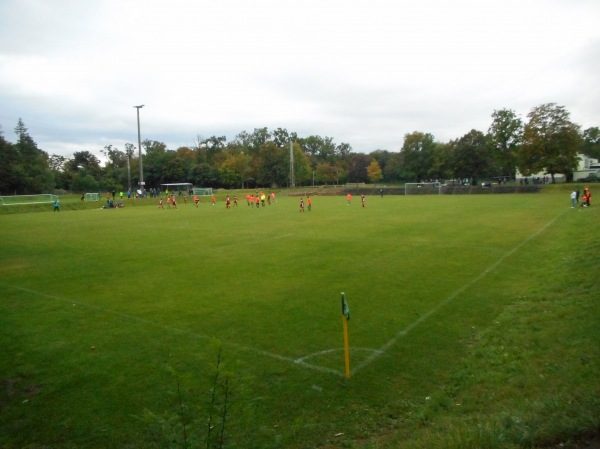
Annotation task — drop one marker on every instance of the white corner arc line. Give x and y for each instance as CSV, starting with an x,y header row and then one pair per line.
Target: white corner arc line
x,y
290,360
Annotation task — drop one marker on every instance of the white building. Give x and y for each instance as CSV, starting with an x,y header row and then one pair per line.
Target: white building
x,y
587,166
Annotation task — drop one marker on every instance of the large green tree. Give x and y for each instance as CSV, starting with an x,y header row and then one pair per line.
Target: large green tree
x,y
205,175
326,173
550,142
115,169
506,134
282,137
357,168
84,173
302,167
470,157
440,168
382,157
343,150
29,172
318,149
10,172
270,167
591,142
154,164
392,172
417,156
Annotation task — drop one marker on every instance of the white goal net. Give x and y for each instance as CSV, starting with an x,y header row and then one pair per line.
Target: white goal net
x,y
203,191
15,200
92,197
422,188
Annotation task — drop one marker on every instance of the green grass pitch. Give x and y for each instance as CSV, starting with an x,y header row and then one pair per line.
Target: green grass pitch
x,y
141,327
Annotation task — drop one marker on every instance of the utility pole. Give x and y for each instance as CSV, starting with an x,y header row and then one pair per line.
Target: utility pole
x,y
292,181
142,183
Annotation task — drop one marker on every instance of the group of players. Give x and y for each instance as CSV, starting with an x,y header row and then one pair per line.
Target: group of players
x,y
585,199
258,200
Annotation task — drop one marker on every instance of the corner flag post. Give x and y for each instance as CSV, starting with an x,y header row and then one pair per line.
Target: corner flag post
x,y
345,318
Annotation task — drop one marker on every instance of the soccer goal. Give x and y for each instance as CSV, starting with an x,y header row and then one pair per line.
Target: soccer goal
x,y
422,188
16,200
92,197
203,191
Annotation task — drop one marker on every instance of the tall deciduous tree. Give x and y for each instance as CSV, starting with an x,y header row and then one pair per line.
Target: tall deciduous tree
x,y
205,175
357,169
417,155
392,170
343,150
84,161
83,172
325,173
471,156
282,137
382,157
302,168
154,164
271,168
591,142
506,133
312,146
374,171
440,168
550,142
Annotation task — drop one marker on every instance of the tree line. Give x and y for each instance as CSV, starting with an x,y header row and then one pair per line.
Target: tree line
x,y
548,141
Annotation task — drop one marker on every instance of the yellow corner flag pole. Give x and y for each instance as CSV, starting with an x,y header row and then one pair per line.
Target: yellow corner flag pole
x,y
345,318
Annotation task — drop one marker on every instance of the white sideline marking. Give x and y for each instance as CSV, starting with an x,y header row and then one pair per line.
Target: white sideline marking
x,y
423,317
375,353
176,330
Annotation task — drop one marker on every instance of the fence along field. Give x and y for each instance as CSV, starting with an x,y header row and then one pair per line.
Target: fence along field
x,y
103,306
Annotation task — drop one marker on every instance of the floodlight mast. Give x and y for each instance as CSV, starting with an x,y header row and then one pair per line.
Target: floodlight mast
x,y
142,183
292,180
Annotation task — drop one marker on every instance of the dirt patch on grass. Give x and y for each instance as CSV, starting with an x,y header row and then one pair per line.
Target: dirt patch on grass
x,y
587,440
17,386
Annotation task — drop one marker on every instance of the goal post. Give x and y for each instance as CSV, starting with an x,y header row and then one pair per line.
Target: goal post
x,y
203,191
422,188
92,197
16,200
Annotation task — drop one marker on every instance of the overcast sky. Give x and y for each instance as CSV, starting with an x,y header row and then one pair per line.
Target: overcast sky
x,y
361,72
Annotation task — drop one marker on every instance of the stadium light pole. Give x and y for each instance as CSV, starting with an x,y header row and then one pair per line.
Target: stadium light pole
x,y
142,183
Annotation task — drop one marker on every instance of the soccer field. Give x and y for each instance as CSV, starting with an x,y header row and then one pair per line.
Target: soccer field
x,y
121,326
